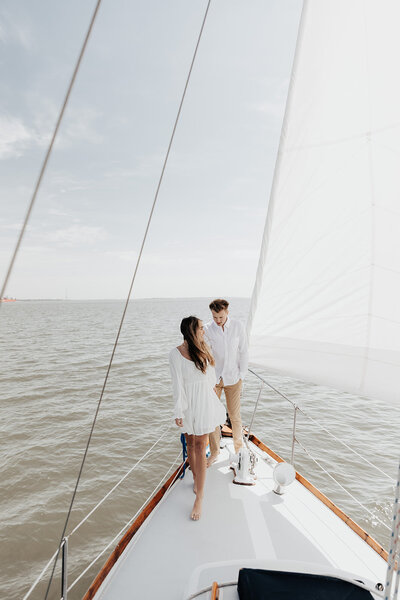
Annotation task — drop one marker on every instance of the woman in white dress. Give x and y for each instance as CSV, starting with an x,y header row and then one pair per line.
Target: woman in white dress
x,y
197,407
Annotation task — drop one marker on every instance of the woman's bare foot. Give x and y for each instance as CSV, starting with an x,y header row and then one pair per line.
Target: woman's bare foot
x,y
196,511
194,486
211,459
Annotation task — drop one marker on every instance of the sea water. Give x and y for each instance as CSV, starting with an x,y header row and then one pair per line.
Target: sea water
x,y
54,357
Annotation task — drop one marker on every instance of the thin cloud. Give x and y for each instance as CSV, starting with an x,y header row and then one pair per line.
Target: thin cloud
x,y
15,137
61,182
77,235
56,212
12,32
11,227
272,109
123,255
3,34
79,123
146,166
244,208
173,260
274,106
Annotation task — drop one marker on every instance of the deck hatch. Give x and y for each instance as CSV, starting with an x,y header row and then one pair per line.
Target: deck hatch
x,y
265,585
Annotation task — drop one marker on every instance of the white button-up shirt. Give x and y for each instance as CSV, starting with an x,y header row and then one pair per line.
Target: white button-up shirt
x,y
229,348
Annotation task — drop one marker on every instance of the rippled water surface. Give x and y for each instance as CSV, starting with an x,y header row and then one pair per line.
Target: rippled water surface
x,y
53,358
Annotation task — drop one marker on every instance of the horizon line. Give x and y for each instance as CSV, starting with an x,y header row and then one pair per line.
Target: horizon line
x,y
124,299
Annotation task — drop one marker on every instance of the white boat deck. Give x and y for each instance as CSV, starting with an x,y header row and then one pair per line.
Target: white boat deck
x,y
172,557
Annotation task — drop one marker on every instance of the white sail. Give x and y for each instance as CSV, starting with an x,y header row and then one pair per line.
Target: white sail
x,y
326,304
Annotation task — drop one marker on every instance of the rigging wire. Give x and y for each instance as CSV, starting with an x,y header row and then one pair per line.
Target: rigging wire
x,y
165,426
49,151
137,463
129,295
342,487
39,577
346,445
131,520
321,427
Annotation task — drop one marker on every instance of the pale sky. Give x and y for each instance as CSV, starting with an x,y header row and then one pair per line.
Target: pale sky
x,y
90,215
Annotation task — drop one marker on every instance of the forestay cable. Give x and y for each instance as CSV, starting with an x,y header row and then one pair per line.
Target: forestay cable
x,y
49,151
129,294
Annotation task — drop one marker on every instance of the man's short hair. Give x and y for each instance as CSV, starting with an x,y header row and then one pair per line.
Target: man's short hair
x,y
219,304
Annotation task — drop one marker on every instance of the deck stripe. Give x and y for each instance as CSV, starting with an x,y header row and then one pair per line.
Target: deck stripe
x,y
153,502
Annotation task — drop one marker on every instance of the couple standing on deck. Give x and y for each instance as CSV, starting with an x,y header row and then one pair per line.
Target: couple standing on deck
x,y
211,358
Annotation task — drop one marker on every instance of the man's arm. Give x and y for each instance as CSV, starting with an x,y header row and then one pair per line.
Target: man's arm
x,y
243,353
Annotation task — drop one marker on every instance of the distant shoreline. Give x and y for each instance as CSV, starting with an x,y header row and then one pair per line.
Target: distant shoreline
x,y
207,298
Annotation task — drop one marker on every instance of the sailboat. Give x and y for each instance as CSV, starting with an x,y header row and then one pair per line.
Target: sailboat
x,y
325,308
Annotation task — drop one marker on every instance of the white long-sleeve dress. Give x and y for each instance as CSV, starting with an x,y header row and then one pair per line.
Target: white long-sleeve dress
x,y
195,399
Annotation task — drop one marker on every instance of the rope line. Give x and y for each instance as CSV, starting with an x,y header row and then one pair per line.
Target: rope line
x,y
49,151
209,588
128,297
340,485
184,455
129,522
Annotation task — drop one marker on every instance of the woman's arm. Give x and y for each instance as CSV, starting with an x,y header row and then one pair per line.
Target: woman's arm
x,y
178,390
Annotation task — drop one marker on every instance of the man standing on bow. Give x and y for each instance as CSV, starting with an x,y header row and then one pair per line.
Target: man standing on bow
x,y
228,342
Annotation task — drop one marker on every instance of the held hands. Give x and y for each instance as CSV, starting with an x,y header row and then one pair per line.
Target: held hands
x,y
179,422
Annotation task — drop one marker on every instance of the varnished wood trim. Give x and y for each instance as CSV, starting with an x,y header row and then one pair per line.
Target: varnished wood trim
x,y
214,591
124,541
122,544
325,500
226,431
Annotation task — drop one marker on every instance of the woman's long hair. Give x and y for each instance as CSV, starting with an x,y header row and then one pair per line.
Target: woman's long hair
x,y
199,352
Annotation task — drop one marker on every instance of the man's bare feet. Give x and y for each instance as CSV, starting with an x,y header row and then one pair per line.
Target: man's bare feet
x,y
196,511
211,459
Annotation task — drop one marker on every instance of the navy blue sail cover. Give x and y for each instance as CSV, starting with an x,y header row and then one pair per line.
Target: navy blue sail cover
x,y
259,584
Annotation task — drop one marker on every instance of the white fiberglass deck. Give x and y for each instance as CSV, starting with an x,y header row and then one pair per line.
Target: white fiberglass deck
x,y
171,556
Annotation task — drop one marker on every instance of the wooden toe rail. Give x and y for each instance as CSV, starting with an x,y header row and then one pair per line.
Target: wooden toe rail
x,y
214,591
124,541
